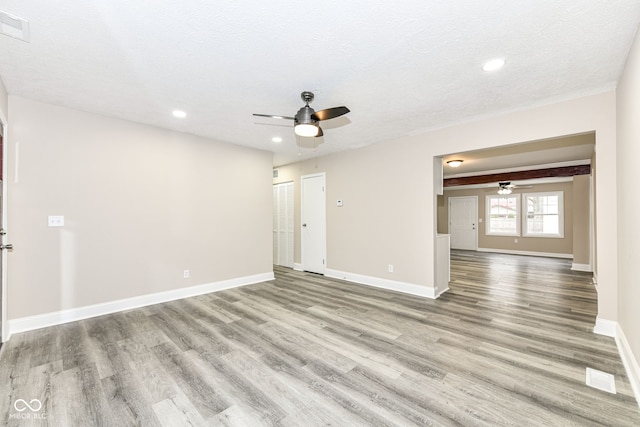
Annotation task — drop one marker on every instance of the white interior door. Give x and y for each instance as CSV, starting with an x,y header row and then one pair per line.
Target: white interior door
x,y
283,224
313,223
463,217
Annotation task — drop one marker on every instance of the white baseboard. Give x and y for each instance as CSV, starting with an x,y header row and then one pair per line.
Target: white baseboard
x,y
392,285
630,362
29,323
581,267
608,328
529,253
297,267
612,329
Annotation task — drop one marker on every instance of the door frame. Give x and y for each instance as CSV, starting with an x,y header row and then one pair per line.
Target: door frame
x,y
4,330
324,218
475,198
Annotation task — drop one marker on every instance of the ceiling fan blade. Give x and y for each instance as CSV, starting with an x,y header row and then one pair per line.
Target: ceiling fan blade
x,y
320,133
274,116
330,113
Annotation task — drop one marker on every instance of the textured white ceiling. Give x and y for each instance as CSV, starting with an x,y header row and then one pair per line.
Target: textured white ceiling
x,y
401,67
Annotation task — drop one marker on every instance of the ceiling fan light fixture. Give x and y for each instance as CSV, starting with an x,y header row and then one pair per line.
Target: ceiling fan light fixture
x,y
305,129
306,121
454,163
505,188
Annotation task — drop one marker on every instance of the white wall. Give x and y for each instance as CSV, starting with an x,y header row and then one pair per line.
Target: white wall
x,y
628,115
4,101
140,205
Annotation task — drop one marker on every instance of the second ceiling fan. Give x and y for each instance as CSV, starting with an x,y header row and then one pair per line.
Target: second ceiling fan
x,y
506,187
306,119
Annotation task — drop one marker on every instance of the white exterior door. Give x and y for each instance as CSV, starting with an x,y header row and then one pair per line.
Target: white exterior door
x,y
463,217
313,223
283,224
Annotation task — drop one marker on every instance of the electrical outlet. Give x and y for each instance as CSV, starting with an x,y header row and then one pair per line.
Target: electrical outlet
x,y
390,268
515,240
186,274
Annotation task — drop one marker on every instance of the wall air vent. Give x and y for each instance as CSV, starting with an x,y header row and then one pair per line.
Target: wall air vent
x,y
275,173
13,26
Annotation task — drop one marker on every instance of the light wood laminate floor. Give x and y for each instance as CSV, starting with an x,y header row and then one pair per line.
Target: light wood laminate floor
x,y
507,345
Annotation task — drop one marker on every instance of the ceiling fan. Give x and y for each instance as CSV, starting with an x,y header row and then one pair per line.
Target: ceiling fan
x,y
506,187
306,119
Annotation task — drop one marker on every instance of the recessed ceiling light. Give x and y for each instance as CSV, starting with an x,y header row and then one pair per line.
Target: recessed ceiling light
x,y
276,139
14,26
493,64
179,114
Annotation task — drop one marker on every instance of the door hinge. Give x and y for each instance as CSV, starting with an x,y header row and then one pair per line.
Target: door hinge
x,y
322,262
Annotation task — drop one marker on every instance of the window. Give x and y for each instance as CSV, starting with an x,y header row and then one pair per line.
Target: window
x,y
503,215
544,214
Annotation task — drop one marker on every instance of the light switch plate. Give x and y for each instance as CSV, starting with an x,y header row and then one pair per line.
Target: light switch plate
x,y
56,220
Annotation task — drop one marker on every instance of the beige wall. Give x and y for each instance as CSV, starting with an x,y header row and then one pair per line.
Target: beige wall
x,y
389,213
141,205
528,244
581,220
628,108
380,187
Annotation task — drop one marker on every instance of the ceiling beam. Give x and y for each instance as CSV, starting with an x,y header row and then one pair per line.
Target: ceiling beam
x,y
519,176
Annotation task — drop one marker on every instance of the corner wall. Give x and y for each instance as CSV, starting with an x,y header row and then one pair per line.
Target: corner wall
x,y
594,113
140,205
382,187
389,214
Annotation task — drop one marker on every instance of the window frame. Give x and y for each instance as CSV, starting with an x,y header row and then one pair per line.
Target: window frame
x,y
525,215
518,205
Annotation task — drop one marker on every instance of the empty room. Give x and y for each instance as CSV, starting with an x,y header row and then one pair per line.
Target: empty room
x,y
330,213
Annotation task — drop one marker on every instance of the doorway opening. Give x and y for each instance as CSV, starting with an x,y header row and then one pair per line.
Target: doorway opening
x,y
521,233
